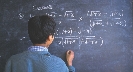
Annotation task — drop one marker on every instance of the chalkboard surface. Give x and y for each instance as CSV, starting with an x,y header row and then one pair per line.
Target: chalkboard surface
x,y
100,32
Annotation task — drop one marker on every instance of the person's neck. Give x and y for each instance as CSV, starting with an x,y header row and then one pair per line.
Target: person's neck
x,y
44,45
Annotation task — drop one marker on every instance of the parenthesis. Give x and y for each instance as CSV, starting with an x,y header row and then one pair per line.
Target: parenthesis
x,y
125,22
102,41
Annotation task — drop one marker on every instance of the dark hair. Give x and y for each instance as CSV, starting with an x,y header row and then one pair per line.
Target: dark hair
x,y
40,27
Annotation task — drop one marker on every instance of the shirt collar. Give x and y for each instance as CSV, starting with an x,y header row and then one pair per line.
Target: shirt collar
x,y
37,48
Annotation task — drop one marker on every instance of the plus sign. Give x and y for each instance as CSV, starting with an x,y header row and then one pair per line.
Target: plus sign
x,y
65,31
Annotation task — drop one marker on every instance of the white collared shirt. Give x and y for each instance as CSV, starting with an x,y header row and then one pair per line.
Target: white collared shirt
x,y
37,48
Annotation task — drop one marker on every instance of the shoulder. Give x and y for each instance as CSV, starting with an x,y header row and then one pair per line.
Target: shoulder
x,y
56,63
56,58
18,56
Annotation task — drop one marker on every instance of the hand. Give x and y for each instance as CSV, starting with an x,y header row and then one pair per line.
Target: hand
x,y
69,57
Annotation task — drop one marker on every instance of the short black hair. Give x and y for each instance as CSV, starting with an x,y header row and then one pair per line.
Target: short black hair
x,y
40,27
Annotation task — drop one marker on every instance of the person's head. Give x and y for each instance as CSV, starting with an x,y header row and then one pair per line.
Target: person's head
x,y
41,29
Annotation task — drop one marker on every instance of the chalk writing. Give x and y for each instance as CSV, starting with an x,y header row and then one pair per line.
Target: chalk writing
x,y
95,22
65,36
80,40
95,17
22,38
115,21
42,7
70,31
93,13
117,13
69,15
80,19
21,16
31,15
53,14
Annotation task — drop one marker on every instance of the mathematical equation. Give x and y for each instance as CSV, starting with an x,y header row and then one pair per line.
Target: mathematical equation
x,y
94,17
85,40
66,35
78,40
70,31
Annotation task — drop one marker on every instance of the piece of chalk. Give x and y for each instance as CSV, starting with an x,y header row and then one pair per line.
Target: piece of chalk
x,y
69,52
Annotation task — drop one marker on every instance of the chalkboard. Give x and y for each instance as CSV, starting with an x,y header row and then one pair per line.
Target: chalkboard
x,y
100,32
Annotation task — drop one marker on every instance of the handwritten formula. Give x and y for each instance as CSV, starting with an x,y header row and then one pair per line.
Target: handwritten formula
x,y
67,36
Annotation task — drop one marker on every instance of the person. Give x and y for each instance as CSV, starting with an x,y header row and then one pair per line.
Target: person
x,y
41,31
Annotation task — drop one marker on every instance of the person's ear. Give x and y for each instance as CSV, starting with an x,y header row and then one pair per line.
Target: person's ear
x,y
51,37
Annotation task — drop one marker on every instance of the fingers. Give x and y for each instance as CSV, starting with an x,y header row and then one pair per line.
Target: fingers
x,y
69,57
70,52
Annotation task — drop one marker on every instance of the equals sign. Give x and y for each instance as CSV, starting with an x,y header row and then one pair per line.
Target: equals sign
x,y
116,18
